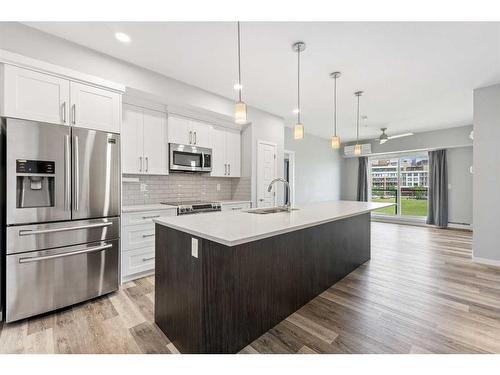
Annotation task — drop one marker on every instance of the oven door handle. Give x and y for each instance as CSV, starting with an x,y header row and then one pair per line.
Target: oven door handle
x,y
29,232
47,257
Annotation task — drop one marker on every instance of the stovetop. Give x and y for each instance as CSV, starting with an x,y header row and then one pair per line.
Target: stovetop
x,y
194,207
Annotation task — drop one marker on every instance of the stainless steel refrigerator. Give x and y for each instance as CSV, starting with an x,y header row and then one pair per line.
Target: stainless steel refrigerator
x,y
61,222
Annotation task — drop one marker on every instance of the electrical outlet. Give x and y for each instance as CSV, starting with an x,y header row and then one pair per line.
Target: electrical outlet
x,y
218,187
194,247
144,187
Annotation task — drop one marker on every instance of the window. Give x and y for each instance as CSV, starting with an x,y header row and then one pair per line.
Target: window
x,y
401,180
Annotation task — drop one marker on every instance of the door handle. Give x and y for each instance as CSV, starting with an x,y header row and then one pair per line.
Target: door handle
x,y
63,109
261,199
147,163
77,173
67,174
190,137
29,232
146,259
73,110
46,257
195,137
229,169
148,235
140,163
150,217
225,169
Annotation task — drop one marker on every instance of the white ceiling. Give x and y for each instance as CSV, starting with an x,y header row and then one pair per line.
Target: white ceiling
x,y
416,76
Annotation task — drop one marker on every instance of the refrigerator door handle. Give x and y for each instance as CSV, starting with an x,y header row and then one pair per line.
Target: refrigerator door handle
x,y
77,173
67,174
28,232
46,257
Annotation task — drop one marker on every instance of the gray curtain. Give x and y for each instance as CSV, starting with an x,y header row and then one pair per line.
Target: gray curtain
x,y
362,193
438,189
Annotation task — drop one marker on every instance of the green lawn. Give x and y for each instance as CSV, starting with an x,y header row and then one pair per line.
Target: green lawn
x,y
409,207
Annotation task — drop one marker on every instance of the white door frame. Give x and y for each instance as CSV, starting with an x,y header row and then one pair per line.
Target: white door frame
x,y
291,173
261,142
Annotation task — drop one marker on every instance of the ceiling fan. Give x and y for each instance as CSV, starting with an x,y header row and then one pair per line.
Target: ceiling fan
x,y
384,137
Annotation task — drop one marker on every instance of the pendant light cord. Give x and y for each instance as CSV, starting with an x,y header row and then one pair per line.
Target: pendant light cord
x,y
335,106
239,64
357,120
298,85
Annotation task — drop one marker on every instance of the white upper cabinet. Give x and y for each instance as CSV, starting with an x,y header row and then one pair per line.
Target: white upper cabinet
x,y
34,96
94,108
179,130
226,152
132,139
155,142
188,132
144,141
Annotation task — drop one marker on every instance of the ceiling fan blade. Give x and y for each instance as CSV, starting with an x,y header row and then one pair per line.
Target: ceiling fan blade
x,y
400,135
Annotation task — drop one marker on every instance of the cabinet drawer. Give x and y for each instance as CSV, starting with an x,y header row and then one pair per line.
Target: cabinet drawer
x,y
138,261
137,236
235,207
145,217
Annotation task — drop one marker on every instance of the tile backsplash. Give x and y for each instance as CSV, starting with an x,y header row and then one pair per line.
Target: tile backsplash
x,y
183,186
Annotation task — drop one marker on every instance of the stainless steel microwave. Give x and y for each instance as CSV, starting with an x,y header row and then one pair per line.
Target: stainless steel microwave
x,y
187,158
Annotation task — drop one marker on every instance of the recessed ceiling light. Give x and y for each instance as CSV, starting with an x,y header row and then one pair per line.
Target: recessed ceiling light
x,y
237,86
122,37
296,110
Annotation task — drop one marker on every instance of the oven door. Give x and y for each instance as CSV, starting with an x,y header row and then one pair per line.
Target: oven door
x,y
187,158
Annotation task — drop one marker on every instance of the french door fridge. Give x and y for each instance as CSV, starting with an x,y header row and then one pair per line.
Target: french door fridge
x,y
62,216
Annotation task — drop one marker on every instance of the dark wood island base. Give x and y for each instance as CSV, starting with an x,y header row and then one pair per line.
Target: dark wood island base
x,y
229,296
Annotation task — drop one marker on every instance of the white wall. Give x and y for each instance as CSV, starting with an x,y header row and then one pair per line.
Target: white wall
x,y
348,179
317,168
459,161
486,245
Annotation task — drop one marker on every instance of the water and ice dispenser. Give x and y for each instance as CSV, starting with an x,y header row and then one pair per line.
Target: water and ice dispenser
x,y
35,183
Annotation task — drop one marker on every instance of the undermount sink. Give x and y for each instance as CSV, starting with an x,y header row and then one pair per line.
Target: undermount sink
x,y
271,210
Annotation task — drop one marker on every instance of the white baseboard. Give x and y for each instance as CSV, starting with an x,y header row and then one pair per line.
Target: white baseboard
x,y
460,226
486,261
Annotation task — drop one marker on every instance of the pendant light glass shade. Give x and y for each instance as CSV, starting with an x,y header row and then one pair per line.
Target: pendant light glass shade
x,y
240,113
240,108
298,131
335,142
335,139
357,149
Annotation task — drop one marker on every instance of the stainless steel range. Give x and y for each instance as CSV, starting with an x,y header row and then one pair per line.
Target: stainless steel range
x,y
194,207
62,223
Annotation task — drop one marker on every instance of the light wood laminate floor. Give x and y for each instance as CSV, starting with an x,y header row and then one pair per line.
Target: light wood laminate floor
x,y
420,293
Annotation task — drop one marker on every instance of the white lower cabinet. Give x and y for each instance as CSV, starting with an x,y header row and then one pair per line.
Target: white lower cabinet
x,y
235,206
138,242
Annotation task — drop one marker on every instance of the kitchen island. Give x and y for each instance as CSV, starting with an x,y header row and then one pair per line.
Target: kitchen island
x,y
224,279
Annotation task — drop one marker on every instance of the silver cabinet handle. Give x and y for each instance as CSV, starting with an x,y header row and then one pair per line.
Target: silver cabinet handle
x,y
195,137
150,217
190,137
147,163
73,110
261,199
148,235
146,259
77,173
225,169
63,109
236,208
140,163
46,257
67,174
229,169
30,232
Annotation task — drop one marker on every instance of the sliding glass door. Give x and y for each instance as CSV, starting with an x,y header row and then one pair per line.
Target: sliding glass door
x,y
402,180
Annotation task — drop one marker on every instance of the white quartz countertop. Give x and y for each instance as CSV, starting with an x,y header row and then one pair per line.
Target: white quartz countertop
x,y
147,207
232,202
237,227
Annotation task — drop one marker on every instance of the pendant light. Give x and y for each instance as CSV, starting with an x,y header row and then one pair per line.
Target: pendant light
x,y
240,108
335,138
298,130
357,147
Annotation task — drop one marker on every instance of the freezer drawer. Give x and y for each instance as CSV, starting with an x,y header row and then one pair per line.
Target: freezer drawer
x,y
46,236
43,281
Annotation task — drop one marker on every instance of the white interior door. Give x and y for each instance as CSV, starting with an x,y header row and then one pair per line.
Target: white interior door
x,y
35,96
266,172
131,139
179,130
95,108
218,141
155,142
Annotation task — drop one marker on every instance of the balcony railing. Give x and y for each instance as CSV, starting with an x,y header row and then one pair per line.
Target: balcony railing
x,y
413,200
